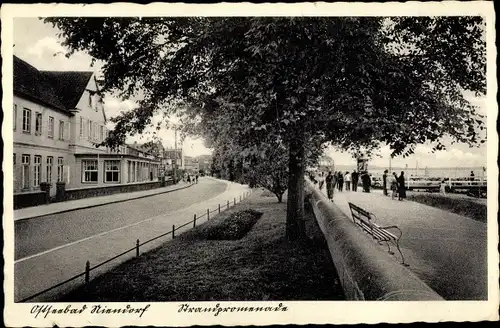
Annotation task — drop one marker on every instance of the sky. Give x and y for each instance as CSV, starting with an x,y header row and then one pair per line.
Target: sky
x,y
38,44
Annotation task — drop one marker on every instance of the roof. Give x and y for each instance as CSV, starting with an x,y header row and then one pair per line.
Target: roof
x,y
31,83
60,90
70,85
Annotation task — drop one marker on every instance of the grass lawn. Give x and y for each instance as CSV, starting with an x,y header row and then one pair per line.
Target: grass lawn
x,y
462,206
197,266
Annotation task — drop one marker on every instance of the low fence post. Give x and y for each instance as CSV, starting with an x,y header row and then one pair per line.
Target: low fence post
x,y
219,208
228,204
87,273
173,231
137,248
234,200
208,214
194,221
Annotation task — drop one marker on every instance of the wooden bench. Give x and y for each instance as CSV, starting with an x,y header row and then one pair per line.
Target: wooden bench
x,y
365,219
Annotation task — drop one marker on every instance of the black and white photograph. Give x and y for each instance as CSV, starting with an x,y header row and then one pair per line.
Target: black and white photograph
x,y
249,164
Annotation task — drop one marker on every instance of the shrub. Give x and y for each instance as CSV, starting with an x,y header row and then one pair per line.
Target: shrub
x,y
236,226
461,206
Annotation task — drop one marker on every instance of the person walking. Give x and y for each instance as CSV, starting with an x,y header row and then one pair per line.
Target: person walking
x,y
354,178
365,179
330,184
340,182
321,183
442,187
196,178
347,179
471,176
394,184
401,186
384,182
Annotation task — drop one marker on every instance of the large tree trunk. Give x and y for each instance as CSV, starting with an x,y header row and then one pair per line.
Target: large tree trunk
x,y
295,226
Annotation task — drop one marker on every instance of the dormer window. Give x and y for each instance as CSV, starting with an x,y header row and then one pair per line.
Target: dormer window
x,y
90,99
94,100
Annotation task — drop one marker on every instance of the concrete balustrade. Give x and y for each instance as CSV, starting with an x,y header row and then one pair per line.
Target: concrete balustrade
x,y
366,270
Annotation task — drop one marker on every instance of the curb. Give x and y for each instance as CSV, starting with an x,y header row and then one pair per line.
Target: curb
x,y
102,204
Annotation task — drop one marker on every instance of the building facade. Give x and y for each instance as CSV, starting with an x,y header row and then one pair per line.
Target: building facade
x,y
59,119
191,165
204,163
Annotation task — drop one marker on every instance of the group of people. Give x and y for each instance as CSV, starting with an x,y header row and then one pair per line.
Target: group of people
x,y
397,184
187,178
349,180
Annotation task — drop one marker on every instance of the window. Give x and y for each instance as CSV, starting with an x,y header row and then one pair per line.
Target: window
x,y
38,124
101,133
25,171
89,170
91,128
60,169
14,169
81,127
50,162
90,99
15,117
61,130
96,131
37,160
27,120
51,127
111,171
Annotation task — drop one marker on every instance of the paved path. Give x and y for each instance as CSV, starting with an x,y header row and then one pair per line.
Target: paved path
x,y
122,224
446,250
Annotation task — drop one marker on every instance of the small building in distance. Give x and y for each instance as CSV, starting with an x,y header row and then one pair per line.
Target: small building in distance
x,y
204,163
191,165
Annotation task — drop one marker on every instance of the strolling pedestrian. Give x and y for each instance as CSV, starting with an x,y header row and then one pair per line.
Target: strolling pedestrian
x,y
354,178
196,178
384,182
313,178
442,187
401,186
340,181
471,176
347,179
330,184
394,185
189,178
321,182
365,180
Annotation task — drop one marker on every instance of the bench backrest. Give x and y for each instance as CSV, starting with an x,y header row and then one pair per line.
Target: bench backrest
x,y
360,211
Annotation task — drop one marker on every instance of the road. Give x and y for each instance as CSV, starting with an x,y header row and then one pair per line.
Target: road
x,y
53,248
447,251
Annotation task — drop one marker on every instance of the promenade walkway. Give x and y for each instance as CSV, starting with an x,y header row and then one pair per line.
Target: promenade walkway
x,y
446,250
71,205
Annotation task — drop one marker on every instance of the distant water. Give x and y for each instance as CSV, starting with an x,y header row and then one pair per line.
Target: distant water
x,y
431,172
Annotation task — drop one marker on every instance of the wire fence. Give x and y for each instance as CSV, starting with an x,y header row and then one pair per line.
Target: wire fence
x,y
88,268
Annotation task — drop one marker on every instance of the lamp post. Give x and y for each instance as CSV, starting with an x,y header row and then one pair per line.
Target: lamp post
x,y
174,163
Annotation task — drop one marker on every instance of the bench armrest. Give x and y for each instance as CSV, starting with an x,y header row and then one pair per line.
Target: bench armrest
x,y
394,227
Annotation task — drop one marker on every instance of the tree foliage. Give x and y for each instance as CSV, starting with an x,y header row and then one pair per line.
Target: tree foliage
x,y
296,82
